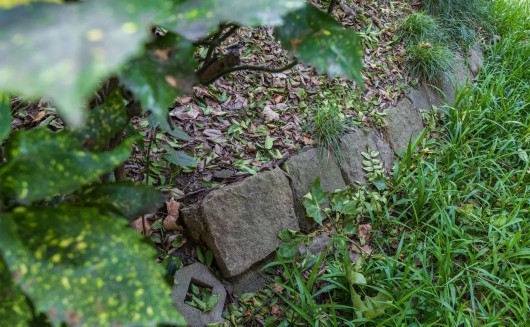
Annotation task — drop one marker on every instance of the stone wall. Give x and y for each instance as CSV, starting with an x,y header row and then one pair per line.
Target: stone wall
x,y
240,222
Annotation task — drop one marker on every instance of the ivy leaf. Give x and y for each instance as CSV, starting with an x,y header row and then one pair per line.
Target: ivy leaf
x,y
316,38
47,48
103,123
85,269
314,200
5,116
160,75
41,164
14,308
120,198
196,18
178,158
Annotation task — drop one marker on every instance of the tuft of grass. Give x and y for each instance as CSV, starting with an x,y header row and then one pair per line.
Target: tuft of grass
x,y
459,17
429,62
418,27
328,126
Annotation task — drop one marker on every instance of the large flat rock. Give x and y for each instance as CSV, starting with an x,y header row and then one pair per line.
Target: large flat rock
x,y
352,144
303,169
404,123
476,59
242,220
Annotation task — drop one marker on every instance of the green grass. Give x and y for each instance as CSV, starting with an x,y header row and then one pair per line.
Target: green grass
x,y
459,18
452,243
328,126
418,27
429,62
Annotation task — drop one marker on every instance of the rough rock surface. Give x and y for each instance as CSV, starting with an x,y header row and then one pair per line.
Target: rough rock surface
x,y
353,144
476,59
303,169
242,220
404,123
200,275
252,279
192,217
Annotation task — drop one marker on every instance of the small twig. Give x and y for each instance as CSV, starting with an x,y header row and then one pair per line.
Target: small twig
x,y
147,167
331,6
217,39
252,68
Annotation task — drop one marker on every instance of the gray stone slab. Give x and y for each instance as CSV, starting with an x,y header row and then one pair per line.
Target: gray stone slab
x,y
252,279
352,144
303,169
243,219
200,275
192,217
476,59
459,78
404,123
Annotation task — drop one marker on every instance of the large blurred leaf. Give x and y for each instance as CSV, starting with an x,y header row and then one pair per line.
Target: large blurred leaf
x,y
195,18
61,50
41,164
5,116
8,4
322,42
124,198
85,269
103,123
14,308
161,74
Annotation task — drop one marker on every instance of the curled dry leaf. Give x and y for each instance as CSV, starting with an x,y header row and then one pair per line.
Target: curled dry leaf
x,y
170,222
270,115
137,224
364,232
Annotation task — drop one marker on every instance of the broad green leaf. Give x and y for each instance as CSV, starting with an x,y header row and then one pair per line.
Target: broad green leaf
x,y
8,4
5,116
85,269
62,51
316,38
356,278
14,309
377,305
120,198
178,158
314,200
103,123
160,75
194,19
41,164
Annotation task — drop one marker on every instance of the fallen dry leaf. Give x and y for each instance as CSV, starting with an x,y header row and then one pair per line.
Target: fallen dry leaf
x,y
270,115
137,224
170,222
364,232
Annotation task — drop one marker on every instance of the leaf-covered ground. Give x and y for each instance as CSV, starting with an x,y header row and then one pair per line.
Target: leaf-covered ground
x,y
249,121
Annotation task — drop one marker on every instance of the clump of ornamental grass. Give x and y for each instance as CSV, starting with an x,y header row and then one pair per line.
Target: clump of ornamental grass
x,y
419,26
429,62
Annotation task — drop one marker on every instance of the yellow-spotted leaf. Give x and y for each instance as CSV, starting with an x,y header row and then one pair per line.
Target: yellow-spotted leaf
x,y
321,41
41,164
5,116
163,72
126,199
85,269
62,51
14,308
195,18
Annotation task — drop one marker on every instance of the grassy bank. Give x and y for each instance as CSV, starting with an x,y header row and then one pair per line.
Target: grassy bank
x,y
451,246
463,257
